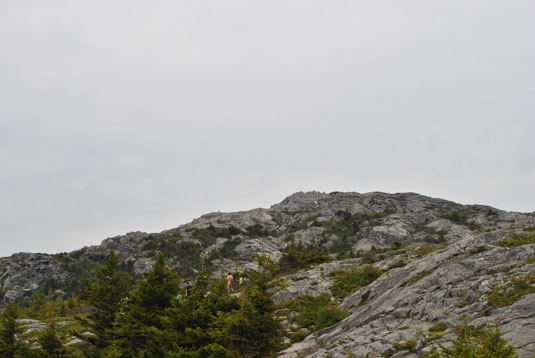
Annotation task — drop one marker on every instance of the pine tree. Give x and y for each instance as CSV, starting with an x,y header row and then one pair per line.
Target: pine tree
x,y
11,344
253,331
192,325
51,345
138,329
105,295
472,343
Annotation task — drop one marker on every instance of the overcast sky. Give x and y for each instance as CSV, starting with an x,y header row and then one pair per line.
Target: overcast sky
x,y
118,116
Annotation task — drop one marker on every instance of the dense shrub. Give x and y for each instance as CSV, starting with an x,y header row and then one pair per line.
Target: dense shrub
x,y
297,256
313,313
209,235
347,282
472,343
461,217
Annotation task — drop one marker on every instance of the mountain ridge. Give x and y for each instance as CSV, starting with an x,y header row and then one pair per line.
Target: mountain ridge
x,y
439,260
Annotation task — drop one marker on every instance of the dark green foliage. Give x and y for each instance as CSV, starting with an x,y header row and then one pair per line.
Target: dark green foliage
x,y
409,345
364,298
349,225
477,250
461,217
424,250
138,324
346,227
209,235
227,251
517,239
51,345
472,343
342,247
188,256
253,331
211,323
439,239
398,263
81,273
296,257
506,295
105,295
257,230
314,313
439,327
10,346
347,282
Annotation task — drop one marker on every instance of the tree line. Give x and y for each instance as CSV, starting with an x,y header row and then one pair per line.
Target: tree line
x,y
149,319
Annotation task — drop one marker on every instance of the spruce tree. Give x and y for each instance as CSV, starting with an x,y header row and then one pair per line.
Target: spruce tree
x,y
105,295
51,345
11,344
253,331
138,328
192,325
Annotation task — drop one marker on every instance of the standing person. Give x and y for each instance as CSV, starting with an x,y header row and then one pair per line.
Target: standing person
x,y
230,280
188,289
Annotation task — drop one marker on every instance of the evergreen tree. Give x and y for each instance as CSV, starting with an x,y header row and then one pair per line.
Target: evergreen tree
x,y
472,343
253,331
51,345
11,344
191,325
105,295
138,328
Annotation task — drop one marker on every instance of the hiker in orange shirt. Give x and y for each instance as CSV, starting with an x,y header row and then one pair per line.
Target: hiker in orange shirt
x,y
230,281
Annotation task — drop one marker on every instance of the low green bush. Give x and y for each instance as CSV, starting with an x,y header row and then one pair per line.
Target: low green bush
x,y
347,282
461,217
313,313
506,295
297,257
408,345
472,343
439,327
424,250
517,239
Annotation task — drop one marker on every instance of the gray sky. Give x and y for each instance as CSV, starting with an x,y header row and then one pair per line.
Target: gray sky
x,y
117,116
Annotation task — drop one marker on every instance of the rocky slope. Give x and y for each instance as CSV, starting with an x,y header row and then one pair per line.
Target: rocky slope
x,y
441,263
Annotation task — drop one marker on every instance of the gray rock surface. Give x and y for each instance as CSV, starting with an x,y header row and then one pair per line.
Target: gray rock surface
x,y
453,286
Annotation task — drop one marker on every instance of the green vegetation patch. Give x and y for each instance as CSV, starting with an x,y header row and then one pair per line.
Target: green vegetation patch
x,y
418,277
439,327
227,251
313,313
346,227
347,282
297,257
424,250
473,343
461,217
208,236
517,239
408,345
506,295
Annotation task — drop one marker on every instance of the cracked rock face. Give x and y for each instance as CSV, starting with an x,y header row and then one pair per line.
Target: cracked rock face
x,y
453,292
417,290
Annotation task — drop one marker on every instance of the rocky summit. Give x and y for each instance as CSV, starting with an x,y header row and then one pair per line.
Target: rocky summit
x,y
431,267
